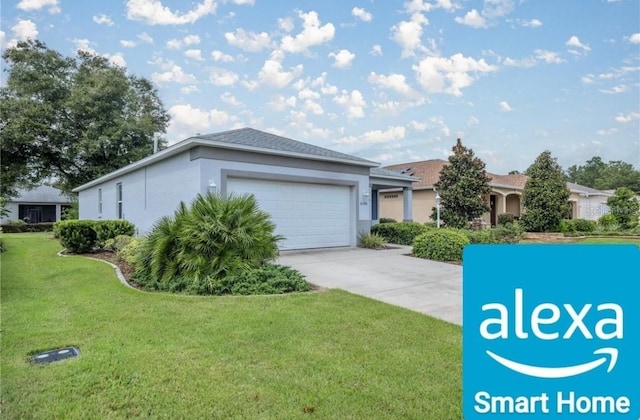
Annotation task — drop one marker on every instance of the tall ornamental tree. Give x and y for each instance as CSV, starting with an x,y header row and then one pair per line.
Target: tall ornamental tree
x,y
462,187
72,119
624,207
546,196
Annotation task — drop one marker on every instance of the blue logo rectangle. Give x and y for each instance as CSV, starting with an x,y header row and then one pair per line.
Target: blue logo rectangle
x,y
551,331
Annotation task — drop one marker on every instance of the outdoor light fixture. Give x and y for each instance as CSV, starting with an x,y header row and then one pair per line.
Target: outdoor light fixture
x,y
438,200
365,198
212,187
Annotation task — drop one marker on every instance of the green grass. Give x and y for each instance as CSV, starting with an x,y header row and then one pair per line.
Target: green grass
x,y
610,240
149,355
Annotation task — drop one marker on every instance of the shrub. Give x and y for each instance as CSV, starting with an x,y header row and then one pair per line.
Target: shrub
x,y
117,243
608,222
387,220
584,225
109,229
511,233
213,238
566,226
267,279
370,241
22,227
77,236
484,236
505,218
440,245
402,233
129,252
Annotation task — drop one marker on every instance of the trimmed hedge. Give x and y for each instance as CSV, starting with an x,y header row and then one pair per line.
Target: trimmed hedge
x,y
577,225
28,227
440,245
82,236
401,233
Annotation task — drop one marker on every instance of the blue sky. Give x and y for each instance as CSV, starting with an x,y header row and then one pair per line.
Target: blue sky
x,y
391,81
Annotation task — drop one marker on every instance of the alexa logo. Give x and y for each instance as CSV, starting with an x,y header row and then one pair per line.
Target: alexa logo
x,y
551,331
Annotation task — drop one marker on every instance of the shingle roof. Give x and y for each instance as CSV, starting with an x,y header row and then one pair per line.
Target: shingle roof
x,y
587,190
41,194
266,141
393,174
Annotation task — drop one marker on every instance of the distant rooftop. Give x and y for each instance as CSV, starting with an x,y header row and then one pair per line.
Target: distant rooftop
x,y
41,194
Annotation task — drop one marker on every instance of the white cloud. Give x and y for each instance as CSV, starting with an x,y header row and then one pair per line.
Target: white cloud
x,y
222,77
175,44
408,34
473,19
450,75
103,19
376,50
505,107
153,12
280,103
220,56
313,107
497,8
361,14
145,38
25,29
417,125
312,34
172,73
116,59
307,93
194,54
248,41
473,121
635,38
533,23
574,42
342,59
352,102
30,5
394,81
391,134
608,132
519,62
587,79
128,44
615,90
414,6
273,75
186,120
625,118
286,24
189,89
548,57
191,40
229,99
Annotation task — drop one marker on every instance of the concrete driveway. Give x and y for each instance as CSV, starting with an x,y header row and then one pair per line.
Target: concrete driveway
x,y
388,275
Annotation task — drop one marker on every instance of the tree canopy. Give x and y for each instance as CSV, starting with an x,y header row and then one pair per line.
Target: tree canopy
x,y
72,119
462,187
545,195
624,207
605,176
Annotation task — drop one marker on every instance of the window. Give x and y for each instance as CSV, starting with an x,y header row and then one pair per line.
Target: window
x,y
388,196
119,211
99,200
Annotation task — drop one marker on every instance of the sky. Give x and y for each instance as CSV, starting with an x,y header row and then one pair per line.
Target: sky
x,y
386,80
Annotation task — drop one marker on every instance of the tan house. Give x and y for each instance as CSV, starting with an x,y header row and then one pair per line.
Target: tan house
x,y
505,195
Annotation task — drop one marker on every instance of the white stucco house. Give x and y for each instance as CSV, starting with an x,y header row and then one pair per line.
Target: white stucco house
x,y
40,204
316,197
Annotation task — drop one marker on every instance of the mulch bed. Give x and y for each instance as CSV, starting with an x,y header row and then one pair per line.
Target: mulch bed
x,y
126,268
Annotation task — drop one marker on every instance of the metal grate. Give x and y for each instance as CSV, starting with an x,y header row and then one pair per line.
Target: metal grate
x,y
55,355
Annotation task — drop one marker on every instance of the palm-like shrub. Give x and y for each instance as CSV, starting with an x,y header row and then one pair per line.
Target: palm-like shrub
x,y
214,238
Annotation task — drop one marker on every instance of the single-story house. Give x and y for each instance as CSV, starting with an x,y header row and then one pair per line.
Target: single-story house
x,y
41,204
505,195
316,197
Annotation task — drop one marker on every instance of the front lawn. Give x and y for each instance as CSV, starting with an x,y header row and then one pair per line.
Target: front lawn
x,y
151,355
610,240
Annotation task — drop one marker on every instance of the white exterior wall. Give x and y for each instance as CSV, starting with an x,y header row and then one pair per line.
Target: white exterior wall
x,y
592,207
148,193
12,208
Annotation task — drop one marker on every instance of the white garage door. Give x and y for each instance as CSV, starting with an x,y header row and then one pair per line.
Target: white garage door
x,y
307,215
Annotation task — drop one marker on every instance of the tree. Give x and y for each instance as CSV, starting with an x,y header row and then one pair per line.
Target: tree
x,y
605,176
588,174
72,119
545,196
624,207
462,187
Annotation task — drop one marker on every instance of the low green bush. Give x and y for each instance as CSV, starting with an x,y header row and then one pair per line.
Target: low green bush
x,y
484,236
77,236
566,225
18,226
506,218
511,233
370,241
387,220
117,243
109,229
608,223
129,252
401,233
440,245
584,225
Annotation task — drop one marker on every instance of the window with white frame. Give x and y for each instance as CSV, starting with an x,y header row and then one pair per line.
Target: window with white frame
x,y
99,200
119,211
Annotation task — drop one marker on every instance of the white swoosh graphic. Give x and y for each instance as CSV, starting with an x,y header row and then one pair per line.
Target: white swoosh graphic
x,y
559,372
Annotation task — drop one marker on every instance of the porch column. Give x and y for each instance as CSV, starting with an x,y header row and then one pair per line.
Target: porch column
x,y
504,204
407,203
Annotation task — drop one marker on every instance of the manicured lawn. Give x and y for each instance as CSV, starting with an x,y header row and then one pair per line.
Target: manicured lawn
x,y
610,240
324,354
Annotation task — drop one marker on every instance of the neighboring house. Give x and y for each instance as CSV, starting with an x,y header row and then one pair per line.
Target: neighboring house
x,y
40,204
505,195
316,197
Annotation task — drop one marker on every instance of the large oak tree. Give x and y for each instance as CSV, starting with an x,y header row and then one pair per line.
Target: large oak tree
x,y
72,119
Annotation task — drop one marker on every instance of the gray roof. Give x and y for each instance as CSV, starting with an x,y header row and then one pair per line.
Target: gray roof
x,y
266,141
41,194
587,190
385,173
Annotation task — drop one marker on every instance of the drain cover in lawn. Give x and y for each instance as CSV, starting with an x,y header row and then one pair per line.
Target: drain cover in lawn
x,y
55,355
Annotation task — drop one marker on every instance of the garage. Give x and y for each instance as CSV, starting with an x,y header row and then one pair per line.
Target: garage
x,y
308,215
